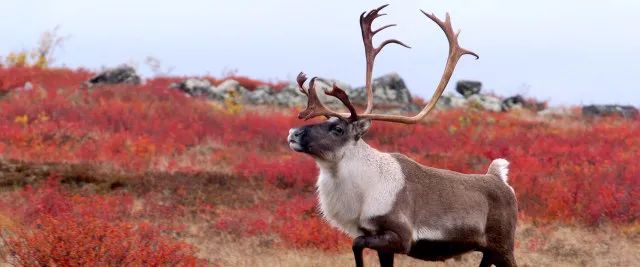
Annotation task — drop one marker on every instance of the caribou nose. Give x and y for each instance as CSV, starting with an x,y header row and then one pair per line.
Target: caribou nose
x,y
295,134
298,132
292,134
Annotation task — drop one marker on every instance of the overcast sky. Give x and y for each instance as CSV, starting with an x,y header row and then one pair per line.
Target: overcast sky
x,y
568,52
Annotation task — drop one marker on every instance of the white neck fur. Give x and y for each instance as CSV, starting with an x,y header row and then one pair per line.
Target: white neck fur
x,y
360,184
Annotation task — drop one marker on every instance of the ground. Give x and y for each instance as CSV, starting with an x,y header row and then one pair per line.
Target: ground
x,y
146,175
562,246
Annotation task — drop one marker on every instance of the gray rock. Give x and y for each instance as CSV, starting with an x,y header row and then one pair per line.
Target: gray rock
x,y
486,102
290,96
228,89
323,84
202,87
260,96
227,86
195,87
518,102
389,92
513,102
555,112
450,100
468,88
628,112
328,83
119,75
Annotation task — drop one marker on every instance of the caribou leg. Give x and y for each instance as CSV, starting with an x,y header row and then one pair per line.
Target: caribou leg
x,y
386,244
358,246
386,259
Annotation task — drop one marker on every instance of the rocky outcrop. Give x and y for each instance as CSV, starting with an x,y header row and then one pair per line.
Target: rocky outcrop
x,y
119,75
195,87
514,102
289,96
390,94
485,102
629,112
389,90
555,112
519,102
451,100
470,97
468,88
203,87
228,89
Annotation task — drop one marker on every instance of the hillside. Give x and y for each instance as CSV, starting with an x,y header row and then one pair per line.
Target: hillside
x,y
146,174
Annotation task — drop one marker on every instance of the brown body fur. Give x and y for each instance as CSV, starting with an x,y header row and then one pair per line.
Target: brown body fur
x,y
431,193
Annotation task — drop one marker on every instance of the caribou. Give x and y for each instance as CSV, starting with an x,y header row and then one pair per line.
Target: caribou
x,y
387,201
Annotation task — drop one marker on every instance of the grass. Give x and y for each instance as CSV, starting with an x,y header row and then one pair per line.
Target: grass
x,y
554,245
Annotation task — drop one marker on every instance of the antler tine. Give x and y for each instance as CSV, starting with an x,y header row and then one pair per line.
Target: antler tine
x,y
315,107
366,21
301,79
344,98
455,52
451,36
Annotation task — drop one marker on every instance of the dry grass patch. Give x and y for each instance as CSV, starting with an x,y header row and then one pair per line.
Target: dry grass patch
x,y
551,245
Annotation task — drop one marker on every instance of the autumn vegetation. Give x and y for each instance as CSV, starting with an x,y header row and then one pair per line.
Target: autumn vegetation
x,y
135,175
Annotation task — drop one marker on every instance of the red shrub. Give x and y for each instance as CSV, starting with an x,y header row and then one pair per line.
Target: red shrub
x,y
295,221
300,226
16,76
89,241
64,229
565,169
291,171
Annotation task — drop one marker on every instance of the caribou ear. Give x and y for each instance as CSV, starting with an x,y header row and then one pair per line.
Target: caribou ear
x,y
361,127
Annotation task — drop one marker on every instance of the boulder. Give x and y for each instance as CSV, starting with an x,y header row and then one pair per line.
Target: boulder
x,y
259,96
227,86
195,87
629,112
486,102
513,102
518,102
555,112
450,100
119,75
290,96
203,87
468,88
389,92
326,84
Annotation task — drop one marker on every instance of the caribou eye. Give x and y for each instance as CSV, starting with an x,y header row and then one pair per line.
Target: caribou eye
x,y
337,130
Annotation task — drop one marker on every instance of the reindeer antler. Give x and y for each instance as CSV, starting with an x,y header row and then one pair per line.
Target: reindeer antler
x,y
316,108
370,52
455,52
